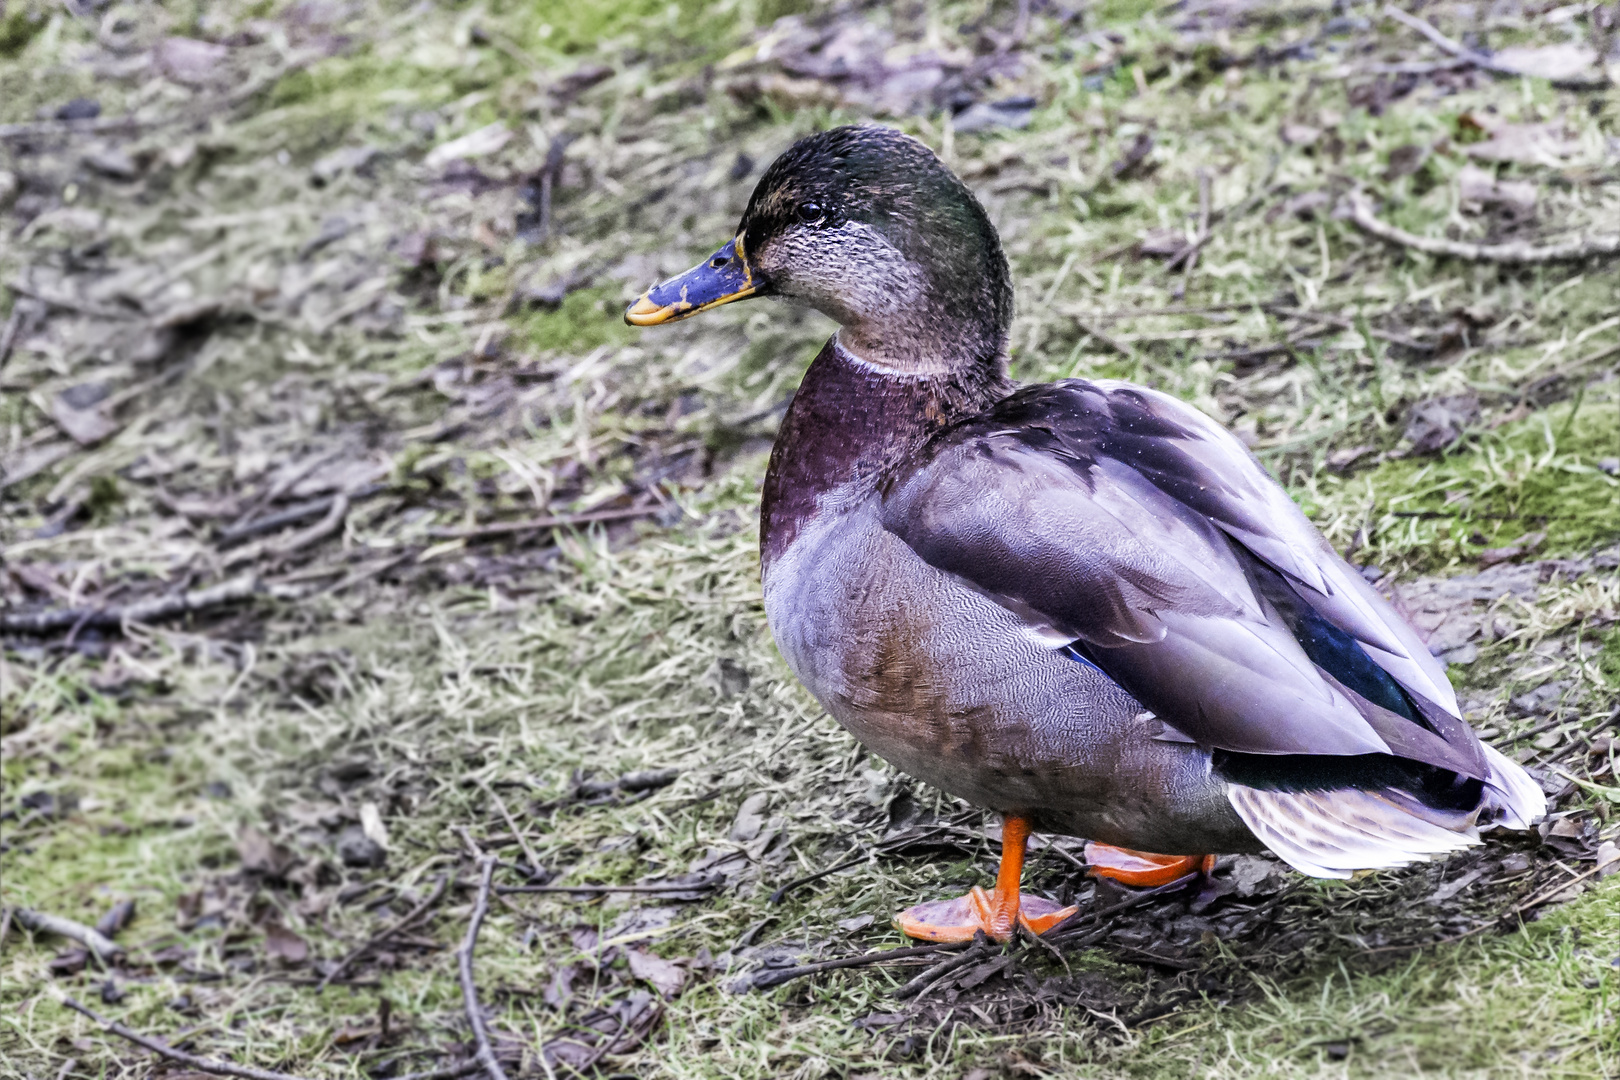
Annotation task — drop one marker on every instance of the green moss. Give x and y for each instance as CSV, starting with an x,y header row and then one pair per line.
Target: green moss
x,y
585,320
19,26
1123,11
1540,474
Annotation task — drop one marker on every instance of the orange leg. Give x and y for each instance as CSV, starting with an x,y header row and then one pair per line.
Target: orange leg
x,y
995,913
1140,868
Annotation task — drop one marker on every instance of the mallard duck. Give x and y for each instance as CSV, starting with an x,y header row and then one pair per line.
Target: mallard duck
x,y
1082,604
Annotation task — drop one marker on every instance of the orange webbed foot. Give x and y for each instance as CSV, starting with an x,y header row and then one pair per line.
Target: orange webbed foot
x,y
1142,868
997,913
959,919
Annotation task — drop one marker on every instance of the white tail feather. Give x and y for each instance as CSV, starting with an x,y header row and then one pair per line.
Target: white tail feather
x,y
1517,799
1335,833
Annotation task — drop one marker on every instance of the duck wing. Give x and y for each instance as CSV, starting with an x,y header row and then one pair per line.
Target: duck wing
x,y
1128,527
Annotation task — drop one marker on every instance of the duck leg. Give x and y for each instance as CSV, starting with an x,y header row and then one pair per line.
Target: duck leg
x,y
1141,868
996,913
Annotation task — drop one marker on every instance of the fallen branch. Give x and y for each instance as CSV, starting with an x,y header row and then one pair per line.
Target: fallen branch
x,y
163,1049
1479,59
670,887
103,946
1346,324
767,978
143,611
377,939
558,521
979,949
464,964
1086,327
337,513
1355,208
449,1072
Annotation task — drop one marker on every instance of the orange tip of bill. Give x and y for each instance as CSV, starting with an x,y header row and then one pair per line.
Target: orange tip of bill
x,y
646,313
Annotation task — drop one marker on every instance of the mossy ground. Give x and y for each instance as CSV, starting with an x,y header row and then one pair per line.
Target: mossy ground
x,y
469,677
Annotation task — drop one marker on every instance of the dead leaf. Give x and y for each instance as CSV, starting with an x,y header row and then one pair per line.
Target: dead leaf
x,y
1478,190
665,976
189,61
261,855
1303,205
750,818
1162,243
1406,160
1341,461
1608,858
284,945
1135,155
1538,144
371,823
481,143
1519,548
1437,423
1300,134
84,426
1568,60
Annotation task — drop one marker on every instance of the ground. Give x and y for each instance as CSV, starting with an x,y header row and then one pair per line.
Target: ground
x,y
349,535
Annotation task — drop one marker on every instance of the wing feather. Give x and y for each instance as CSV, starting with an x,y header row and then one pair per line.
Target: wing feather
x,y
1122,519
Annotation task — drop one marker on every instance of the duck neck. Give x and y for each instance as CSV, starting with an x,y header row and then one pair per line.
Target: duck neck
x,y
850,422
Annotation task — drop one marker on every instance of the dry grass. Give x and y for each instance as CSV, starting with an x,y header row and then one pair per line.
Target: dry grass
x,y
399,328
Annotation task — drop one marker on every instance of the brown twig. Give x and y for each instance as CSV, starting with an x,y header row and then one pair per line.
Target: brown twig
x,y
770,977
1479,59
670,887
1203,233
556,521
143,611
511,823
336,513
377,939
448,1072
104,947
1120,347
464,964
1346,324
163,1049
1354,207
979,949
9,335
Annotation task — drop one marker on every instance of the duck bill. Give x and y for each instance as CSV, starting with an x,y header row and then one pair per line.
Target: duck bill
x,y
721,278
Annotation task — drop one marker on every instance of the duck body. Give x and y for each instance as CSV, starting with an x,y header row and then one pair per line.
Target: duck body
x,y
942,682
1082,604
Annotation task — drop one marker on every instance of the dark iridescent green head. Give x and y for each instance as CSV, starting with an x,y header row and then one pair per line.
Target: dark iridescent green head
x,y
867,225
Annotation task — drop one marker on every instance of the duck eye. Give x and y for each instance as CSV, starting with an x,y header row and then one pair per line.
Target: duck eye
x,y
810,212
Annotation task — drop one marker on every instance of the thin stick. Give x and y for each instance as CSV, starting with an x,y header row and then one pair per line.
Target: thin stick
x,y
764,980
449,1072
777,896
1346,324
1088,328
377,939
1203,232
9,334
103,946
143,611
557,521
1354,207
511,823
1478,59
696,886
163,1049
464,963
337,512
980,948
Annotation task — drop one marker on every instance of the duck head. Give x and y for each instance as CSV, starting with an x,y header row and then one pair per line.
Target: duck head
x,y
866,225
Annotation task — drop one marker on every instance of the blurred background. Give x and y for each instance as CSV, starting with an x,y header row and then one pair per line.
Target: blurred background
x,y
348,533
